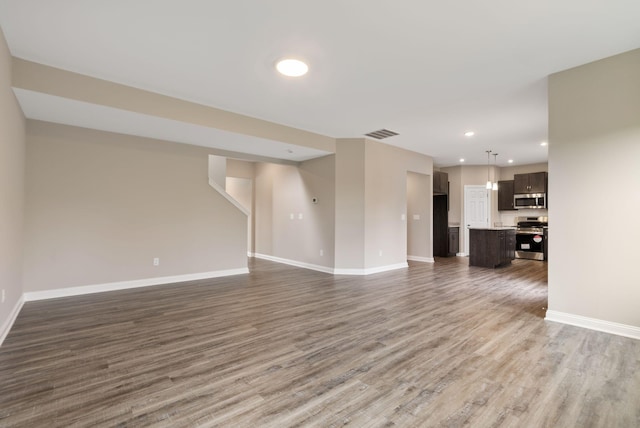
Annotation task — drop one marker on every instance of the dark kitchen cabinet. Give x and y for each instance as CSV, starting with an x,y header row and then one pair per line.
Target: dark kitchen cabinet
x,y
505,195
440,224
454,241
535,182
440,183
510,250
491,247
440,213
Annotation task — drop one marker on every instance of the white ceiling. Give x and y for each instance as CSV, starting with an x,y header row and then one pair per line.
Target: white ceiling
x,y
429,70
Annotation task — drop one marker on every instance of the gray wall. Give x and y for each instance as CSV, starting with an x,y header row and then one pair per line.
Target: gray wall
x,y
594,158
12,167
100,206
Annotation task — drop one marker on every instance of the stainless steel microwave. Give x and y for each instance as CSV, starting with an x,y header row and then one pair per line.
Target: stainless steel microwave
x,y
530,201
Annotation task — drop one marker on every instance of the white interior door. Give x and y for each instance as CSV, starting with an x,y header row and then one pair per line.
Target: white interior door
x,y
476,210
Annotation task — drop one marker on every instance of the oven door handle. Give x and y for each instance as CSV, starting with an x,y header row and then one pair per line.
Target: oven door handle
x,y
530,233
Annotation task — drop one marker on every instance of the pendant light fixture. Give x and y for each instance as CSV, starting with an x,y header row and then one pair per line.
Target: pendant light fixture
x,y
489,184
495,164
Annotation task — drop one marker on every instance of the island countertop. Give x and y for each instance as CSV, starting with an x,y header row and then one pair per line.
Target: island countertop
x,y
494,228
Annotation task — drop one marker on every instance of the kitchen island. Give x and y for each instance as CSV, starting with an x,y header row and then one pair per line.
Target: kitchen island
x,y
491,246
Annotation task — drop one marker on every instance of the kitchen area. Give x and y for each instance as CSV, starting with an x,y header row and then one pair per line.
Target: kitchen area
x,y
516,224
524,237
497,246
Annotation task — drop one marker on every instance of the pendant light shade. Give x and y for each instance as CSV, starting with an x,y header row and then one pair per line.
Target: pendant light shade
x,y
489,184
494,186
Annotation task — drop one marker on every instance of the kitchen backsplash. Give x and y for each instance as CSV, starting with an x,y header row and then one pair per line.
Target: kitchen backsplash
x,y
508,218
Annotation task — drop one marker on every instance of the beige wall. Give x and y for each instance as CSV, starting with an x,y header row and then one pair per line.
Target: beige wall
x,y
218,170
594,159
240,175
240,169
101,206
386,170
54,81
362,195
371,197
419,203
12,169
455,194
241,189
283,191
318,176
263,207
350,204
507,172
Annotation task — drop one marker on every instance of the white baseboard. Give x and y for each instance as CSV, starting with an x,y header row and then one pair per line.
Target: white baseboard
x,y
295,263
6,326
594,324
421,259
123,285
461,254
331,270
370,271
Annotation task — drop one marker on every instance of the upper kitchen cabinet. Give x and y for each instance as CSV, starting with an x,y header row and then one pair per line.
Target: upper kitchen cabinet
x,y
535,182
440,183
505,195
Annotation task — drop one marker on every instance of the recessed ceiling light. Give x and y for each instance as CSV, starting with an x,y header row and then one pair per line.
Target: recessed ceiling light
x,y
510,161
292,67
461,160
544,143
469,134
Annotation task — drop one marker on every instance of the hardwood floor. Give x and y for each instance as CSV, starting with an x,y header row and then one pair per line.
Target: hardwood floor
x,y
439,344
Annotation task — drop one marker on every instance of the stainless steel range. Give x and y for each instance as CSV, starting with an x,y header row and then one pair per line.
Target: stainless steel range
x,y
531,238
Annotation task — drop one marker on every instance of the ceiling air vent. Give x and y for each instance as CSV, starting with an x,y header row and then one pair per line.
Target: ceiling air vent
x,y
381,134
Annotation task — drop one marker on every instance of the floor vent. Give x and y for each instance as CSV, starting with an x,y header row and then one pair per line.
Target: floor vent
x,y
381,134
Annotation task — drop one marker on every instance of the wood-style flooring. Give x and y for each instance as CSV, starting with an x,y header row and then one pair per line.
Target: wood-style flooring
x,y
433,345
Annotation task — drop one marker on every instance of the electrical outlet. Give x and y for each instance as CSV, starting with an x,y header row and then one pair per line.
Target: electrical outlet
x,y
380,253
3,295
322,252
156,261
